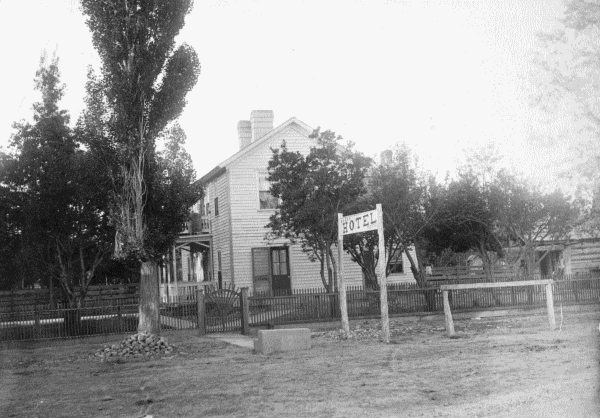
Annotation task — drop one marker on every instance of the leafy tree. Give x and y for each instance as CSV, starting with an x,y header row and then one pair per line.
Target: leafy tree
x,y
313,189
57,198
529,216
401,189
411,202
174,191
498,215
470,217
569,79
146,80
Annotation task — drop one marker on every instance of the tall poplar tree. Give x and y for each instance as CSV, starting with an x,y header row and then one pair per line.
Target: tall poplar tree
x,y
146,80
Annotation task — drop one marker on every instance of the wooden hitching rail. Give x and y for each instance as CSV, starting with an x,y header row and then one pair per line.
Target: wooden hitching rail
x,y
447,287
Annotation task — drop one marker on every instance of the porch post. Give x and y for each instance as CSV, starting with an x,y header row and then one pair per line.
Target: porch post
x,y
161,288
211,270
192,271
174,271
165,269
201,311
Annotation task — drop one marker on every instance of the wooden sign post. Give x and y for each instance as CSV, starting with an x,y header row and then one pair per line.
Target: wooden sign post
x,y
341,283
385,320
352,224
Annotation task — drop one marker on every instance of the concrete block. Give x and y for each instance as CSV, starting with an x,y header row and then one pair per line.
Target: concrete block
x,y
276,340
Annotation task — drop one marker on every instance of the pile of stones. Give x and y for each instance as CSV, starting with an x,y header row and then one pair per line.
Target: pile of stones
x,y
360,331
142,344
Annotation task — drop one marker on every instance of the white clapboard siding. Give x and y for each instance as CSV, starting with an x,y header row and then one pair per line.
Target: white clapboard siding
x,y
221,227
584,256
241,224
249,221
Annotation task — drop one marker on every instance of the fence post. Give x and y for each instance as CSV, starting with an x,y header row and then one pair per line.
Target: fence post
x,y
201,311
448,315
245,311
550,305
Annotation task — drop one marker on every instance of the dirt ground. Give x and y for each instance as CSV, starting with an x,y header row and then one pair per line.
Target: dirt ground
x,y
511,367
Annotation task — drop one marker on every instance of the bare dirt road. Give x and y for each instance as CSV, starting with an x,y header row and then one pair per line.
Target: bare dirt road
x,y
497,368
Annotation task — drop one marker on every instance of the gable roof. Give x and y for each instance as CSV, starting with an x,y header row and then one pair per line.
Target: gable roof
x,y
221,168
212,174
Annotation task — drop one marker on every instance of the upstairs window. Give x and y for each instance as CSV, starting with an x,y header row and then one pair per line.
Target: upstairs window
x,y
266,200
216,206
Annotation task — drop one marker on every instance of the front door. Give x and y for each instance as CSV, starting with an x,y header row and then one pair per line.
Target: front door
x,y
280,270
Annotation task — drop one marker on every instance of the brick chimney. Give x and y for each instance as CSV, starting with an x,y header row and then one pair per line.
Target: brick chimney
x,y
386,157
244,133
261,122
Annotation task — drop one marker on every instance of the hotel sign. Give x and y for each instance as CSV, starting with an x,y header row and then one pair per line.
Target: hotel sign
x,y
360,222
353,224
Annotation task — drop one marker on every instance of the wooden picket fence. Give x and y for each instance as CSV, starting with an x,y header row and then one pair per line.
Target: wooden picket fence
x,y
109,311
40,299
308,305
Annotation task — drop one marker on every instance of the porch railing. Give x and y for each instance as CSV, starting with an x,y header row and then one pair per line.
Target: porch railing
x,y
178,292
203,227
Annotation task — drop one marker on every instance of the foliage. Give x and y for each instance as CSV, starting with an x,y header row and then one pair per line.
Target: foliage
x,y
406,196
566,87
496,212
313,189
174,192
56,208
529,216
471,212
145,80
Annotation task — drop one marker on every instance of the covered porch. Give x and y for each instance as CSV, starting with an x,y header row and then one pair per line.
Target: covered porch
x,y
187,266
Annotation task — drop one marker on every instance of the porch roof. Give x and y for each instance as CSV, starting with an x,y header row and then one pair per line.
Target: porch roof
x,y
194,239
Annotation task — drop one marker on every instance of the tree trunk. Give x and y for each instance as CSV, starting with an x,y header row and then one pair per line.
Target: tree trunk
x,y
419,275
332,287
529,270
52,305
322,272
149,304
368,269
73,317
370,278
328,264
336,304
333,269
487,269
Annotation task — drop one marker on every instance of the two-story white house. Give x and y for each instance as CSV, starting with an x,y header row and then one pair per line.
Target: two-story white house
x,y
228,244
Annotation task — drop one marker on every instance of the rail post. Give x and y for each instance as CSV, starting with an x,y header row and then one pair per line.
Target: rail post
x,y
448,315
550,305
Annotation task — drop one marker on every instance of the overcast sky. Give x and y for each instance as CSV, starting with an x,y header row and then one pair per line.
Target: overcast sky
x,y
440,75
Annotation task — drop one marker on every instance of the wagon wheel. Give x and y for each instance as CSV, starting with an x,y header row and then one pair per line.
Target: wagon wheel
x,y
223,301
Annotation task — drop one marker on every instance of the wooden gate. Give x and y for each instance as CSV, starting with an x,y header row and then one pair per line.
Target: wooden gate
x,y
223,311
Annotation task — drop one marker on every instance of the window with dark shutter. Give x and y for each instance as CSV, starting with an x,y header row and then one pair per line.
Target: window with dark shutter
x,y
265,198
